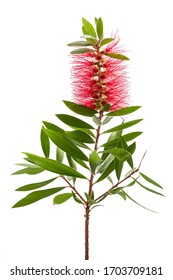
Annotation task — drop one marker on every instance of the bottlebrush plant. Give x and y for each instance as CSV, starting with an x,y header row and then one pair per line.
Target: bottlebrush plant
x,y
91,151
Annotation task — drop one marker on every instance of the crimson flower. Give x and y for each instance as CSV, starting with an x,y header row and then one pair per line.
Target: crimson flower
x,y
99,79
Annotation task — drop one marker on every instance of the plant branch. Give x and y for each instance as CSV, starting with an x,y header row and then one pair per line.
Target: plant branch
x,y
117,184
74,189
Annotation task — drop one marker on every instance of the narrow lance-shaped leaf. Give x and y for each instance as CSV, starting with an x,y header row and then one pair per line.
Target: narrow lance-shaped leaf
x,y
80,136
54,127
116,56
106,172
79,44
61,198
59,154
88,27
99,27
76,198
33,170
82,50
105,164
89,199
150,180
118,167
55,166
116,190
123,126
80,109
35,196
94,161
72,164
137,202
73,121
45,143
81,162
148,189
65,144
89,38
124,111
34,186
106,41
119,153
114,137
132,135
96,120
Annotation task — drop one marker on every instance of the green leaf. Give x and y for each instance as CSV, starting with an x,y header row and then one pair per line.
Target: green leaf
x,y
116,56
150,180
59,154
88,27
61,198
34,186
114,137
76,198
148,189
106,107
89,199
112,143
80,44
116,190
72,164
79,144
89,132
106,41
118,168
95,207
132,135
122,195
96,19
65,144
54,127
106,172
94,161
99,28
124,111
137,202
80,109
55,166
96,120
123,126
82,50
29,170
82,163
73,121
119,153
79,136
105,164
35,196
89,38
45,143
110,180
106,120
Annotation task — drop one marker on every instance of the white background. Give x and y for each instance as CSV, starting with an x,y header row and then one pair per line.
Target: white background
x,y
35,77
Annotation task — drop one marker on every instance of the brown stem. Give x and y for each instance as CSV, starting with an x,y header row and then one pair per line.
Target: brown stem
x,y
116,185
74,189
87,210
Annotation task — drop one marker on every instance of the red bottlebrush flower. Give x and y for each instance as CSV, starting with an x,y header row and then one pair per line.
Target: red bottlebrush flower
x,y
98,79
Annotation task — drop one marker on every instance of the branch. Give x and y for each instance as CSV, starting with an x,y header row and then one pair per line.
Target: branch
x,y
74,189
117,184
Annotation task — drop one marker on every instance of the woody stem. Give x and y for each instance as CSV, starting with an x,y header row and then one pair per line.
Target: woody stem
x,y
87,207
